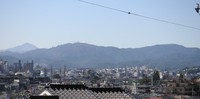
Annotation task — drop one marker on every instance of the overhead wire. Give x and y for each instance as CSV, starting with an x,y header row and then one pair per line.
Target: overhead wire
x,y
139,15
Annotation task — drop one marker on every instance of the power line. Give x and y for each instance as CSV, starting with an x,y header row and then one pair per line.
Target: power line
x,y
103,6
139,15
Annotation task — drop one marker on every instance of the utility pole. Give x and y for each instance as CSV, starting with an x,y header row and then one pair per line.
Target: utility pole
x,y
152,80
45,72
198,90
192,92
51,72
64,71
126,71
60,72
60,75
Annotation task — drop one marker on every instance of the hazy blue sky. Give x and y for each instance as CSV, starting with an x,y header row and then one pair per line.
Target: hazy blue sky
x,y
47,23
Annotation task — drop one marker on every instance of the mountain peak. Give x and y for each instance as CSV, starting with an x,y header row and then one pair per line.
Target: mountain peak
x,y
23,48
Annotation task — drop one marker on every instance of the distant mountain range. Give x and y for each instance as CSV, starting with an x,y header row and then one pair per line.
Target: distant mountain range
x,y
22,48
81,55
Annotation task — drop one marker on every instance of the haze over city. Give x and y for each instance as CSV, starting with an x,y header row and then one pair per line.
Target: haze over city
x,y
49,23
99,49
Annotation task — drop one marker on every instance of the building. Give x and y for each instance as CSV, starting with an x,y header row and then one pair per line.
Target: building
x,y
18,66
44,97
179,86
3,66
83,92
143,89
28,66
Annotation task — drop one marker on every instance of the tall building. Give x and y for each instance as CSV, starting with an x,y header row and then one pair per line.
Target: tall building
x,y
18,66
28,66
3,66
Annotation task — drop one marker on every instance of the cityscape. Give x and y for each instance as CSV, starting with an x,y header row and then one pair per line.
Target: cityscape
x,y
22,80
99,49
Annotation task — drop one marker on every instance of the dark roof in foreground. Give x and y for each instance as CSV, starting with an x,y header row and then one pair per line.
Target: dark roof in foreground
x,y
83,87
84,92
63,86
106,89
44,97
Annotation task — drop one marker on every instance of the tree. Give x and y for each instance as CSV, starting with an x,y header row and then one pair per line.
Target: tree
x,y
156,76
145,80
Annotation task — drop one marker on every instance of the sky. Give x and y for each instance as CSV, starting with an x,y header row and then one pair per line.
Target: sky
x,y
48,23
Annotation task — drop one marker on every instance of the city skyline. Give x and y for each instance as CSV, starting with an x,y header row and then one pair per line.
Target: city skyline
x,y
50,23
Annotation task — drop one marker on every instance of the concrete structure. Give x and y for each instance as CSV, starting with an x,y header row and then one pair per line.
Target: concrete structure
x,y
179,86
28,66
3,66
18,66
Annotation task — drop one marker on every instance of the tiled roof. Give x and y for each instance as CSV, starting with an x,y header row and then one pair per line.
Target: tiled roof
x,y
44,97
106,89
62,86
83,92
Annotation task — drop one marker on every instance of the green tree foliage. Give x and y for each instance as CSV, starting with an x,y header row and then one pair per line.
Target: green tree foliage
x,y
145,80
156,76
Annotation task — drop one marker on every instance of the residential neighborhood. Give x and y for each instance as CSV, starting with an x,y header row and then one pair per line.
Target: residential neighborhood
x,y
23,80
